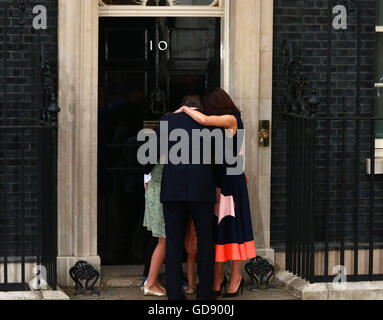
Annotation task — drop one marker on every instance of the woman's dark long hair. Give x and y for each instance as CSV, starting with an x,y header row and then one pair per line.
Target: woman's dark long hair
x,y
216,102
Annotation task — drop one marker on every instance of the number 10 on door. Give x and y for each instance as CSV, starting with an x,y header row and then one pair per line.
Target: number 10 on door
x,y
162,45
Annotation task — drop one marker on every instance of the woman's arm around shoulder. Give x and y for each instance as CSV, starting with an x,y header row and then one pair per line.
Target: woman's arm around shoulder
x,y
225,121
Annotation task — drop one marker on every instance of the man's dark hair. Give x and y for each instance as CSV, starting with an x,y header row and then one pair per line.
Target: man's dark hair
x,y
192,101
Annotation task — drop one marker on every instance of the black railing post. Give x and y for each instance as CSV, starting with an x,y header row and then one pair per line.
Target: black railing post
x,y
22,211
288,196
298,155
342,209
327,207
298,213
53,218
295,195
356,201
306,188
372,205
5,213
311,222
50,110
5,112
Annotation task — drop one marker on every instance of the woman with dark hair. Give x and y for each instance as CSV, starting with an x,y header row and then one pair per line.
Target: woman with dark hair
x,y
234,233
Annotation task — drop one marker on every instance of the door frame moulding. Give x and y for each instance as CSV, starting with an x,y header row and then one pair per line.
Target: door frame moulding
x,y
106,10
222,11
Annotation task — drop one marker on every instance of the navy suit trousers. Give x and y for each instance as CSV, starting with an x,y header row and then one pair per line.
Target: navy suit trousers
x,y
176,215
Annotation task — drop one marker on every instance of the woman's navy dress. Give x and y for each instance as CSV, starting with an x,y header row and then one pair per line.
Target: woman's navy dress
x,y
234,234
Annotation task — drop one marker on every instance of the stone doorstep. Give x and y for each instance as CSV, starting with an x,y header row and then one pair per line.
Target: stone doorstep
x,y
124,276
131,276
59,294
364,290
121,281
35,295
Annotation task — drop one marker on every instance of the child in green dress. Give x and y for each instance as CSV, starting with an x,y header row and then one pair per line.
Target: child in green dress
x,y
154,222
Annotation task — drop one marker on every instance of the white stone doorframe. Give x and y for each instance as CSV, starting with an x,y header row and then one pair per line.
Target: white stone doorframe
x,y
249,82
77,146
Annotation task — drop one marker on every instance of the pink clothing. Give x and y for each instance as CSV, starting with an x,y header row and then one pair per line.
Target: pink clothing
x,y
225,206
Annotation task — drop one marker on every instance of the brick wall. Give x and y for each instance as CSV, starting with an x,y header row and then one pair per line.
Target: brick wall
x,y
306,24
20,100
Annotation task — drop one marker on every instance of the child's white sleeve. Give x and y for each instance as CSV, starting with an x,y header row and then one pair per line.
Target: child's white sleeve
x,y
147,178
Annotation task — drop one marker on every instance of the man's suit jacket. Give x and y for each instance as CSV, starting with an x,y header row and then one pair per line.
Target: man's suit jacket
x,y
186,182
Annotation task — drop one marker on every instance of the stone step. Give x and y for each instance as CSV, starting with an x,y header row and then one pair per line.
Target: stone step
x,y
121,282
123,276
131,276
364,290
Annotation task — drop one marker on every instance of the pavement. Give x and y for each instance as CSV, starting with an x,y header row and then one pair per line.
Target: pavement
x,y
123,283
135,293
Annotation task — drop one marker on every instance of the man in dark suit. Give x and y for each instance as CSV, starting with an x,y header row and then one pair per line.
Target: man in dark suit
x,y
188,189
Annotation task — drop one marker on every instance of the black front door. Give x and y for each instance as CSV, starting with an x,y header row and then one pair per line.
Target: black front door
x,y
146,67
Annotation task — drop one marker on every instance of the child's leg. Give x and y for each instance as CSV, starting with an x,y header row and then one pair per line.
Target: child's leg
x,y
149,247
158,259
191,271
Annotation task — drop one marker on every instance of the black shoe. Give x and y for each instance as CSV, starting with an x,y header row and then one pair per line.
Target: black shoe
x,y
235,294
223,285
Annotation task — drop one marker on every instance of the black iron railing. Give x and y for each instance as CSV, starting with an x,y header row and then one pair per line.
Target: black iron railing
x,y
334,207
28,152
28,206
334,178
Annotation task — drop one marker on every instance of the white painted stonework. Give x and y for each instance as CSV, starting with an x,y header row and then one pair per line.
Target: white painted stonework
x,y
364,290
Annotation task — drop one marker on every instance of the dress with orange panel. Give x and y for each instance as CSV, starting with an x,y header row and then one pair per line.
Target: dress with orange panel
x,y
234,233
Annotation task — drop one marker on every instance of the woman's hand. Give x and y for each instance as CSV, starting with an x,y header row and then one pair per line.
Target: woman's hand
x,y
247,179
180,110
